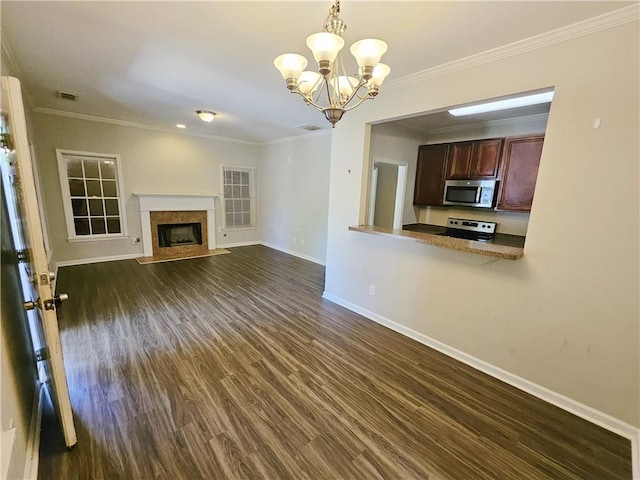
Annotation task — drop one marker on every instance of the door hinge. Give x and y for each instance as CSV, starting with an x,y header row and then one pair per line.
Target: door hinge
x,y
6,142
42,354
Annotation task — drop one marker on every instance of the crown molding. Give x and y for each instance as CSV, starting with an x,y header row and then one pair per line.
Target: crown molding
x,y
491,123
124,123
553,37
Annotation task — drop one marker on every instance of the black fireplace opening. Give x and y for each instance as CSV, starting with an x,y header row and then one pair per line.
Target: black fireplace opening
x,y
177,234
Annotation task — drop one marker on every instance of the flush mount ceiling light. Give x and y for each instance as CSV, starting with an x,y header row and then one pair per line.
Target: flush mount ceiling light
x,y
525,101
206,115
343,92
179,125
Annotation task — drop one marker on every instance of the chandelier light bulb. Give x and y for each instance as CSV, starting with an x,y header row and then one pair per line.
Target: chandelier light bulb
x,y
380,72
346,85
368,51
325,46
290,65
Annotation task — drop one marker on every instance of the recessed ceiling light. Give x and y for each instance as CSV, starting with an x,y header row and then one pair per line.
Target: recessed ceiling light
x,y
503,104
179,125
206,115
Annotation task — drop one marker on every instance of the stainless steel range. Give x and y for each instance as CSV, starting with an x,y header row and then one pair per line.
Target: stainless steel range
x,y
470,229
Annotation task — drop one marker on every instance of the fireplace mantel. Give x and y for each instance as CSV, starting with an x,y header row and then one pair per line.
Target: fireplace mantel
x,y
163,202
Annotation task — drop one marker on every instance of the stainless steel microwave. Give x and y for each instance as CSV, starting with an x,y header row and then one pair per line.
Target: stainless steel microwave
x,y
470,193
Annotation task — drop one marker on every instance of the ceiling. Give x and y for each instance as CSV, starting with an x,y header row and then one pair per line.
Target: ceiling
x,y
155,63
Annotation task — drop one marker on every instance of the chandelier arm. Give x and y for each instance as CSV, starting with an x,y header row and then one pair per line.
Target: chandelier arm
x,y
354,93
356,104
326,84
318,93
357,94
308,100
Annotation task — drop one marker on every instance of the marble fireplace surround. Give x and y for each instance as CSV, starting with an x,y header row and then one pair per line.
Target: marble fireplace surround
x,y
176,202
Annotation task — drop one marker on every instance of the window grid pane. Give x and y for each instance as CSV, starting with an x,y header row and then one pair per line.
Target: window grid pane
x,y
238,201
94,189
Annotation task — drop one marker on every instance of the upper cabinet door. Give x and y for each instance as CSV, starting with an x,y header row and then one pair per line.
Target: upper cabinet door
x,y
486,158
459,164
478,159
430,173
520,162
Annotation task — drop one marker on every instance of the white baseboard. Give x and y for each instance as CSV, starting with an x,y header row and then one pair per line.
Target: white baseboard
x,y
583,411
295,254
32,459
85,261
239,244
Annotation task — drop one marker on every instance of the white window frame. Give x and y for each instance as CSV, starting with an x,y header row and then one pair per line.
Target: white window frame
x,y
66,196
253,192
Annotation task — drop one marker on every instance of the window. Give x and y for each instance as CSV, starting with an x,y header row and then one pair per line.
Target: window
x,y
238,187
92,194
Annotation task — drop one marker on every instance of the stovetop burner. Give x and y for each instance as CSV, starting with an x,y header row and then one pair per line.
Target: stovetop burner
x,y
470,229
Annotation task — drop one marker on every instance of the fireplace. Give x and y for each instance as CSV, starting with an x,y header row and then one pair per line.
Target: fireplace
x,y
177,209
176,234
179,232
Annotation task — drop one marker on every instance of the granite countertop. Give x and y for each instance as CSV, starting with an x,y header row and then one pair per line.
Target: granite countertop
x,y
509,247
499,238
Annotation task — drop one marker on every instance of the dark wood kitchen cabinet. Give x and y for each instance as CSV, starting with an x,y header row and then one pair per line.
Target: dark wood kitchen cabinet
x,y
478,159
430,174
519,172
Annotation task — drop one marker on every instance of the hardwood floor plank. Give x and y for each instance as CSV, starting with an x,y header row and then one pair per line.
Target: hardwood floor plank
x,y
234,367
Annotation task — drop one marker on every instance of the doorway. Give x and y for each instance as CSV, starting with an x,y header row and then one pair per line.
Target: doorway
x,y
388,186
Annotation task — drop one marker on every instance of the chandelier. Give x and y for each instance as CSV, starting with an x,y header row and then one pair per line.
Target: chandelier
x,y
331,90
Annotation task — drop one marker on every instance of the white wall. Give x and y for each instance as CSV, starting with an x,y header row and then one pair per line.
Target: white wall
x,y
152,162
294,185
566,315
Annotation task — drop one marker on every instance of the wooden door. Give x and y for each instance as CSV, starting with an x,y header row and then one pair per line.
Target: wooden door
x,y
520,162
40,303
430,173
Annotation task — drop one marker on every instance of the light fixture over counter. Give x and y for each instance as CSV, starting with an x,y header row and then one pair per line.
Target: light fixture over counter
x,y
522,101
206,115
344,92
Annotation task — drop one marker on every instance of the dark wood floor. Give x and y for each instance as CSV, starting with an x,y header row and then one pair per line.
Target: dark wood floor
x,y
234,367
